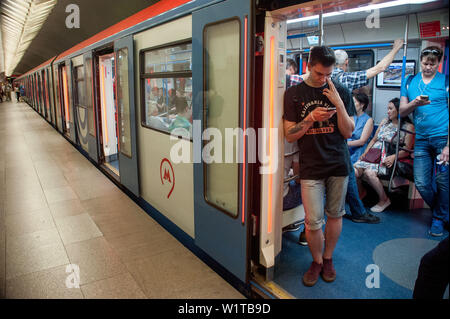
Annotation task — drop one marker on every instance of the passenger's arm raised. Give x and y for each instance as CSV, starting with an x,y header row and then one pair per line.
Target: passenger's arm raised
x,y
386,61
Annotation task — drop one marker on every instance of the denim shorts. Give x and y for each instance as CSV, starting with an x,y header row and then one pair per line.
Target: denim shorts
x,y
313,195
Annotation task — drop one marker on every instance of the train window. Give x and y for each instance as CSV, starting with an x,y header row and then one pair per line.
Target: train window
x,y
89,97
169,59
360,60
50,90
221,103
57,100
123,102
79,83
166,84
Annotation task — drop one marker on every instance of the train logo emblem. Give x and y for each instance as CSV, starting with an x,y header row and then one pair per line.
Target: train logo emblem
x,y
167,175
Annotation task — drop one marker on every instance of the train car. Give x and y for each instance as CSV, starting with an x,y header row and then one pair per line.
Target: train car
x,y
181,105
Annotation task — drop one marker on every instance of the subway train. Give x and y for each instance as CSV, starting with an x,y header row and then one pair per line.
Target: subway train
x,y
216,182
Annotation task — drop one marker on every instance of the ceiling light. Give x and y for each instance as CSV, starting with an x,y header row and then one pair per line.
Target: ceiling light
x,y
365,8
387,5
326,15
21,21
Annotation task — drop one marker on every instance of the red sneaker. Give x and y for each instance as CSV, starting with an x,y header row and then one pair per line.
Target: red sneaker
x,y
312,275
328,272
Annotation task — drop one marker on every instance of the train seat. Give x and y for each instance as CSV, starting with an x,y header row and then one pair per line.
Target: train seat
x,y
414,199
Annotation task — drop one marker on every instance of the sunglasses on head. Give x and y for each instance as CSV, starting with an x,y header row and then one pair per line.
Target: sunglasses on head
x,y
431,51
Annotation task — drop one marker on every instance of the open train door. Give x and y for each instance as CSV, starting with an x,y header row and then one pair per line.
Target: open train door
x,y
220,47
126,114
79,101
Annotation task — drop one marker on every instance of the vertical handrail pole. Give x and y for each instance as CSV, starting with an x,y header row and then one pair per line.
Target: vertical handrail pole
x,y
320,28
405,48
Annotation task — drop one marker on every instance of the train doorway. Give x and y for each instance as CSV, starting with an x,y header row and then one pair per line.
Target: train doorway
x,y
109,150
392,248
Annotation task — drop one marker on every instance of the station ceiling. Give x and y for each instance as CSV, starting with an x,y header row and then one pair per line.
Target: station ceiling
x,y
55,37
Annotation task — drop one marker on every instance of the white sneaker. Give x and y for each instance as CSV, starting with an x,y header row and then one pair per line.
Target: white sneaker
x,y
379,208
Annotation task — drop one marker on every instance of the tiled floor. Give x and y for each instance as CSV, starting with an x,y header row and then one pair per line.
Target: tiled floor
x,y
58,212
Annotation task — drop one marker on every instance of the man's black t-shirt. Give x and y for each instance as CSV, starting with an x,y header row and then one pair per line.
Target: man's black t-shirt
x,y
323,150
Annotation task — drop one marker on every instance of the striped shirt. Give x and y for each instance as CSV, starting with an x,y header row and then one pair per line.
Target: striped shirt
x,y
351,80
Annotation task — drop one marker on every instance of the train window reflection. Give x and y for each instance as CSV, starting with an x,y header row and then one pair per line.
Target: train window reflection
x,y
169,59
123,102
89,97
79,83
222,47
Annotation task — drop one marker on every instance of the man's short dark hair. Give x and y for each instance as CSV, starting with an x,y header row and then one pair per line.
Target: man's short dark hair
x,y
323,55
432,53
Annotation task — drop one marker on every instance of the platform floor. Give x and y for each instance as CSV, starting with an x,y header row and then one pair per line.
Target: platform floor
x,y
57,210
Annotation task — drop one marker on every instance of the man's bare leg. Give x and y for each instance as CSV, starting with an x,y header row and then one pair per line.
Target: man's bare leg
x,y
315,244
333,230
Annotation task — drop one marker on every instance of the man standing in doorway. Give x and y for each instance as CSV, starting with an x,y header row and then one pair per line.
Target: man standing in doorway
x,y
317,115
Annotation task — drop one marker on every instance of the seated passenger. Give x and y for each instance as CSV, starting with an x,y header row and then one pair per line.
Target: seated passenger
x,y
363,128
160,104
379,156
354,207
181,124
